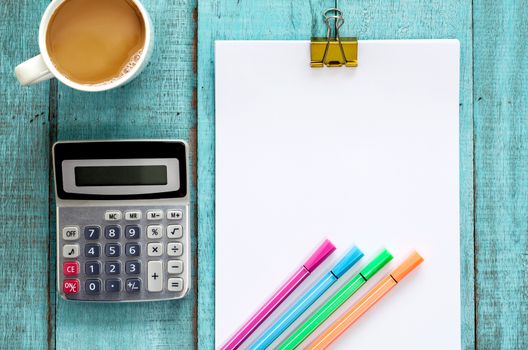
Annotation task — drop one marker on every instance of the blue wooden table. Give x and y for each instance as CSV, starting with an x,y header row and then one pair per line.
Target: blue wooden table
x,y
174,98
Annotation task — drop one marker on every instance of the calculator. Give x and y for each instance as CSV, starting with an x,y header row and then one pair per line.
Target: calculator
x,y
122,220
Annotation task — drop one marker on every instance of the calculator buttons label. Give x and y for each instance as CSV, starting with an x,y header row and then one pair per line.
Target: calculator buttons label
x,y
154,249
154,214
113,268
93,286
70,268
70,286
92,250
154,231
112,232
174,231
175,285
174,214
113,285
92,268
174,249
113,250
113,215
133,267
132,231
70,250
174,267
155,276
132,249
133,285
92,232
132,215
70,233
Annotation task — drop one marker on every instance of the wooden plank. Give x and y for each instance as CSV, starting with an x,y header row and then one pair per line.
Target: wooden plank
x,y
368,19
501,158
158,104
221,20
376,19
24,174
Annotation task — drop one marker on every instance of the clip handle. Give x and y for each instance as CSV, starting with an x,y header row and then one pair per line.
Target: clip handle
x,y
336,52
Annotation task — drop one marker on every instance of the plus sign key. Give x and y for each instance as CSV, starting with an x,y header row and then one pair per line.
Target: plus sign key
x,y
155,276
70,286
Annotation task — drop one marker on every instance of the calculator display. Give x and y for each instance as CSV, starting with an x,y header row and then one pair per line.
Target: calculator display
x,y
117,170
149,175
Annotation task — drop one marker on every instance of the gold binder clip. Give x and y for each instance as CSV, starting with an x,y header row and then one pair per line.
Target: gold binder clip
x,y
336,51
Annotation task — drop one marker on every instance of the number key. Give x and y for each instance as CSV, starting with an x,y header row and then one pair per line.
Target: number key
x,y
92,232
92,250
132,231
113,268
113,250
92,268
112,232
132,267
93,286
132,249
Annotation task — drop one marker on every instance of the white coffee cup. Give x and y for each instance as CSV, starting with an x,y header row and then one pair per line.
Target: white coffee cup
x,y
40,68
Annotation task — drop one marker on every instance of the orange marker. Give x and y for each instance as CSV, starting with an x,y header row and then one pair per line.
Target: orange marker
x,y
369,300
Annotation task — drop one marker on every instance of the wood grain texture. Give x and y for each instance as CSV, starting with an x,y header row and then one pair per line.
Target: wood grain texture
x,y
501,154
161,104
24,238
368,19
220,20
158,104
378,19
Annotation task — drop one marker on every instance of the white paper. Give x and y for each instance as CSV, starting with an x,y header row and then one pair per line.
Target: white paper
x,y
365,156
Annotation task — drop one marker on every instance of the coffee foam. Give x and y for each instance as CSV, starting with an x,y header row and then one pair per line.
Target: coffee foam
x,y
126,69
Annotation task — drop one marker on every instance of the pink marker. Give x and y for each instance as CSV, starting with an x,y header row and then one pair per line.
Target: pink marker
x,y
324,250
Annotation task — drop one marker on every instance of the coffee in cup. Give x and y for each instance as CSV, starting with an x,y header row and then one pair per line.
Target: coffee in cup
x,y
91,45
95,41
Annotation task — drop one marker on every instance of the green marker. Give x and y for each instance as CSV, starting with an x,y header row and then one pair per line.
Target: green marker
x,y
310,325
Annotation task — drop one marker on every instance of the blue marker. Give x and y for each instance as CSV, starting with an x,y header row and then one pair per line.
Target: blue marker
x,y
308,299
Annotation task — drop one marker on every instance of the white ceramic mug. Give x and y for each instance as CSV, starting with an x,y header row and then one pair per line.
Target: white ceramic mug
x,y
40,68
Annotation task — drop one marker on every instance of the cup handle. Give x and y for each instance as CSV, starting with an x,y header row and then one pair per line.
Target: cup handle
x,y
33,71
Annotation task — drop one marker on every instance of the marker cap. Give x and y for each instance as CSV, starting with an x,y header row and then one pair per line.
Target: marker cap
x,y
407,266
324,250
347,261
376,264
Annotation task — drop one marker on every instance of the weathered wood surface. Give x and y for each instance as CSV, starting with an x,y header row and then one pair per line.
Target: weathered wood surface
x,y
229,20
297,20
24,142
158,104
162,102
501,186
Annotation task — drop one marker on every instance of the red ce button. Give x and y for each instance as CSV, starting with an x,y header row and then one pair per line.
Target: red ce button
x,y
70,268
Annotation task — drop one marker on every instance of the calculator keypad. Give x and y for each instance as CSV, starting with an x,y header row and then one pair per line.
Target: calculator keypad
x,y
123,254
